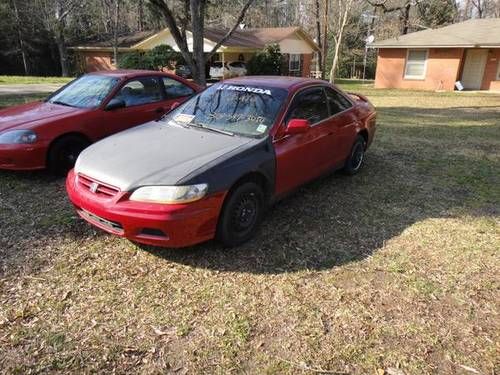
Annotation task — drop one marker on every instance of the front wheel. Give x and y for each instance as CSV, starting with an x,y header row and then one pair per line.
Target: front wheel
x,y
64,152
356,157
241,214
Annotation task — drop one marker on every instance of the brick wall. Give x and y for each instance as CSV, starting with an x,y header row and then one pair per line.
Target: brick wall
x,y
490,79
96,61
306,64
443,67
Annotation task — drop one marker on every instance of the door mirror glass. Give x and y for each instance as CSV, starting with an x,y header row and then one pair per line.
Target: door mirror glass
x,y
297,126
115,104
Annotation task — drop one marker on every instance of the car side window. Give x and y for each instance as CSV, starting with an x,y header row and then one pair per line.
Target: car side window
x,y
336,101
309,105
140,91
175,89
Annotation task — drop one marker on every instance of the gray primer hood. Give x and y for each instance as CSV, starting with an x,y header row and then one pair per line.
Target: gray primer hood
x,y
154,154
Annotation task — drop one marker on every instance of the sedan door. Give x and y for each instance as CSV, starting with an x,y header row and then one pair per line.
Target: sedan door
x,y
142,101
301,157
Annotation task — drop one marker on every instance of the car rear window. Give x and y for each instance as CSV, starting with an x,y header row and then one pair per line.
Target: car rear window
x,y
241,109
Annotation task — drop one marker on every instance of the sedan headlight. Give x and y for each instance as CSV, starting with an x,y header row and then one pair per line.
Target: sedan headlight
x,y
18,137
169,194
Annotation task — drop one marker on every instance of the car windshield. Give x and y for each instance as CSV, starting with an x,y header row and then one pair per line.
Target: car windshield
x,y
86,92
232,108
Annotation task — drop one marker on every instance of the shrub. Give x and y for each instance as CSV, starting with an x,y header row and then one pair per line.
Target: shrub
x,y
162,56
267,62
132,60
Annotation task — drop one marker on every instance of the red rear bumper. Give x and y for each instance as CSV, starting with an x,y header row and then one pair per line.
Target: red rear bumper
x,y
149,223
22,157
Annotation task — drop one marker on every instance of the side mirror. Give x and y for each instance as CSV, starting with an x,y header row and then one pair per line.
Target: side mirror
x,y
115,104
297,126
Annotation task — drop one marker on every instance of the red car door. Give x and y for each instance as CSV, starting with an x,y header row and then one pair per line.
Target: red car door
x,y
146,99
302,157
343,122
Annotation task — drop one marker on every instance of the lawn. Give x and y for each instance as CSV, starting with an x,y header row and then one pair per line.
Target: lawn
x,y
9,80
10,100
393,270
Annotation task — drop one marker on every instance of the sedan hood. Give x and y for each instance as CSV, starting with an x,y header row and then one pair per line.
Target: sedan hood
x,y
24,115
154,154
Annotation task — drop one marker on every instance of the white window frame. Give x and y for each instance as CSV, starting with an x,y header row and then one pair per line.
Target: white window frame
x,y
290,63
420,77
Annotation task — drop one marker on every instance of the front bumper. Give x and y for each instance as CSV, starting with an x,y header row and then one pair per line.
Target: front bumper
x,y
23,157
163,225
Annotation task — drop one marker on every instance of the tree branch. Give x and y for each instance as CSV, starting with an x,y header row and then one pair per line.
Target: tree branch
x,y
178,35
241,16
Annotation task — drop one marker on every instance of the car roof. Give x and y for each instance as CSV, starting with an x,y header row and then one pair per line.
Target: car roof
x,y
122,73
288,83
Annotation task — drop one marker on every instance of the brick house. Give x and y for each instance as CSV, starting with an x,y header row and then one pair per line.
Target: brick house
x,y
295,44
435,59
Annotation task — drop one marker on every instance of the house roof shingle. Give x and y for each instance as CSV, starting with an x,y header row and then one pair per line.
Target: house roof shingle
x,y
472,33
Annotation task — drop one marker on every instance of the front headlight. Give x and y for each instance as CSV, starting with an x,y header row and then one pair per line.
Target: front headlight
x,y
169,194
18,137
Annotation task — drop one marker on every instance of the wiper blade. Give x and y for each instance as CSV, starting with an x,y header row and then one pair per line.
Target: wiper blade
x,y
212,129
61,103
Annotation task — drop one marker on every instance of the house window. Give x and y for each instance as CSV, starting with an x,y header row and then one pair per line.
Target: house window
x,y
294,63
416,63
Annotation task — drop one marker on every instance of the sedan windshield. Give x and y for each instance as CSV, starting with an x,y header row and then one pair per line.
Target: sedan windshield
x,y
86,92
232,108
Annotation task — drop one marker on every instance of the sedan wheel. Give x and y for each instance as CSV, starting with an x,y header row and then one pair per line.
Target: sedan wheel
x,y
357,156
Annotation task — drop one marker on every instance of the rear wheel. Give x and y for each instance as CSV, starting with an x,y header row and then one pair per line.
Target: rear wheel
x,y
64,152
241,214
356,157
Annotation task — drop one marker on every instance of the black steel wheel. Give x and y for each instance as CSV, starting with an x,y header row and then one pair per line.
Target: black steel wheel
x,y
241,214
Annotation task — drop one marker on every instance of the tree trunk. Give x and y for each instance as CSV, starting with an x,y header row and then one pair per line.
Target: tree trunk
x,y
338,37
115,32
63,52
22,46
318,36
198,31
406,18
140,15
325,40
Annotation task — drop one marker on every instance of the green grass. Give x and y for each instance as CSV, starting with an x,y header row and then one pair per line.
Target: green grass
x,y
11,100
9,80
396,267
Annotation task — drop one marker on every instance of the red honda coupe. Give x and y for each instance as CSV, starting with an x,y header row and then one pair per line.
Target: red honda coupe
x,y
212,165
52,133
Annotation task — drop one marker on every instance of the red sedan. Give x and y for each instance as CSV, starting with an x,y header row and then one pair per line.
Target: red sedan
x,y
51,134
211,166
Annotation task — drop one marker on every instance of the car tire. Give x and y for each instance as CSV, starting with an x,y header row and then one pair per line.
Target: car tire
x,y
64,152
356,157
241,214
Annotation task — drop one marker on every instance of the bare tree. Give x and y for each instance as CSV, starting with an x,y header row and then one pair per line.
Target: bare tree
x,y
403,8
479,6
56,13
193,16
342,14
20,38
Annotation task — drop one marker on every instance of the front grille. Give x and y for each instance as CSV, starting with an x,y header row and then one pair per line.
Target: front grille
x,y
97,187
112,225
